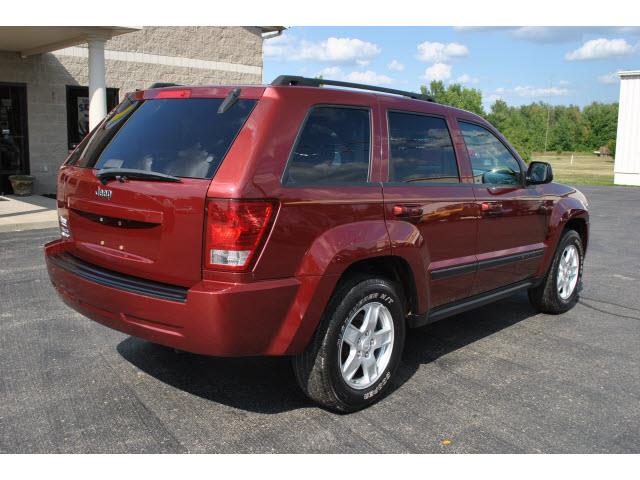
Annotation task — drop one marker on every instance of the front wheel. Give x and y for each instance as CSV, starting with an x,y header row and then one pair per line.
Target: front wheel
x,y
559,291
356,348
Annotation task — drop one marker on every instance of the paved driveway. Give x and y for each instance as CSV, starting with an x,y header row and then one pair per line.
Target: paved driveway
x,y
499,379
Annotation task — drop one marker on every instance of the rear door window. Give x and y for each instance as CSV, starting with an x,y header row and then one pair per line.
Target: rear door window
x,y
333,147
179,137
420,149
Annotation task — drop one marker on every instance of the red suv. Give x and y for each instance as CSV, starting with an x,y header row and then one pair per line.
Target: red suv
x,y
317,223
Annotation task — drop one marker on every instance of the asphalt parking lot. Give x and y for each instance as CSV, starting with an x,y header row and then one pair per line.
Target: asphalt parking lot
x,y
501,379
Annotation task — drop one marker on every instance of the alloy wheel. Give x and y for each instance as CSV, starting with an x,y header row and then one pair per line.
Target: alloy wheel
x,y
568,269
366,345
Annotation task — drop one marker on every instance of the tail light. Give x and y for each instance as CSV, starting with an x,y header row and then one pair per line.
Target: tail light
x,y
234,231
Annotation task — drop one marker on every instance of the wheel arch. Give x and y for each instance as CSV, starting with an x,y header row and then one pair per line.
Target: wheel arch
x,y
580,225
391,267
303,323
564,217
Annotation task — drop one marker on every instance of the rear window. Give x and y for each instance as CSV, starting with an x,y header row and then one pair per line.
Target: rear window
x,y
333,148
179,137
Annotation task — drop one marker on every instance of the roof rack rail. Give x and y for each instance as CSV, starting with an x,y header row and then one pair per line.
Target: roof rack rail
x,y
164,84
318,82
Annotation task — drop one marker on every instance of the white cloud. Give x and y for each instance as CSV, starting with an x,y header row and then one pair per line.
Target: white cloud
x,y
489,99
564,83
438,71
466,79
395,66
462,28
439,52
547,35
528,91
608,78
566,34
337,50
601,48
368,77
333,73
278,47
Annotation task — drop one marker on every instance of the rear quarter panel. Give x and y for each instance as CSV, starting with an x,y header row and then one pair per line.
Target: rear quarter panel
x,y
318,229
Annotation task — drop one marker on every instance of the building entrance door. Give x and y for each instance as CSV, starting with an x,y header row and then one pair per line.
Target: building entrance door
x,y
14,152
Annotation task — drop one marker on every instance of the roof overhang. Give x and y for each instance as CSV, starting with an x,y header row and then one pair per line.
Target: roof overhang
x,y
270,32
272,29
29,41
629,73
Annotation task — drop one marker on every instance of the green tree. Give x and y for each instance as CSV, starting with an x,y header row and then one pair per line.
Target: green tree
x,y
537,126
601,121
512,123
456,95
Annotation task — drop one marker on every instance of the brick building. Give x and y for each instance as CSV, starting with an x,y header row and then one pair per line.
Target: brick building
x,y
57,82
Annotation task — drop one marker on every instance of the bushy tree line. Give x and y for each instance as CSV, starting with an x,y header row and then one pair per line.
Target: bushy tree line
x,y
539,126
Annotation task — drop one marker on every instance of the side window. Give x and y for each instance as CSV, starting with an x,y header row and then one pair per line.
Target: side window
x,y
332,148
491,162
420,149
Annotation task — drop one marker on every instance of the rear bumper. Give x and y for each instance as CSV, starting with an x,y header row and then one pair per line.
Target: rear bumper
x,y
214,318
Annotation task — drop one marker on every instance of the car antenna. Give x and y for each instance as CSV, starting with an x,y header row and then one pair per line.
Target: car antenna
x,y
229,100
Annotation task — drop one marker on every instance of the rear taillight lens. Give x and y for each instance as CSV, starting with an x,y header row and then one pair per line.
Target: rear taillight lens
x,y
234,232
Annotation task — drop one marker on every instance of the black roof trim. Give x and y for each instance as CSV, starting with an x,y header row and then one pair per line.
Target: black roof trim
x,y
318,82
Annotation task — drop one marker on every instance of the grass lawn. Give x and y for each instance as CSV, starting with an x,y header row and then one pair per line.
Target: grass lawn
x,y
587,169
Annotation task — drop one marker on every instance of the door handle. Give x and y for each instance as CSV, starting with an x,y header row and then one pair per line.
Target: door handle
x,y
411,212
491,209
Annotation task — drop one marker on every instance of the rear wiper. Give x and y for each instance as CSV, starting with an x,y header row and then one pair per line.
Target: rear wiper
x,y
121,174
229,100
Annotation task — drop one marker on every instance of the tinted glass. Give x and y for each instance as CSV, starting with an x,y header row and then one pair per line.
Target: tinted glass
x,y
420,149
180,137
333,147
492,163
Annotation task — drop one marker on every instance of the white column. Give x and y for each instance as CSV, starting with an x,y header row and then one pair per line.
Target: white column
x,y
97,81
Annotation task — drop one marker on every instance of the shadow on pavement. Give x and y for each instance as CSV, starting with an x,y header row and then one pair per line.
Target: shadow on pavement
x,y
427,344
267,384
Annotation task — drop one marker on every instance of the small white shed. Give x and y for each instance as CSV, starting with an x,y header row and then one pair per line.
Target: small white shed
x,y
627,164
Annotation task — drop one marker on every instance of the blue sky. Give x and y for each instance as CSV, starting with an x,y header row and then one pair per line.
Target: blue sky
x,y
560,65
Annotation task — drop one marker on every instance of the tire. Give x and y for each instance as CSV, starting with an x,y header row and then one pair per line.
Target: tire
x,y
548,297
341,341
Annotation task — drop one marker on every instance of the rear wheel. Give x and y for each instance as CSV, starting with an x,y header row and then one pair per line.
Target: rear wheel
x,y
356,348
559,291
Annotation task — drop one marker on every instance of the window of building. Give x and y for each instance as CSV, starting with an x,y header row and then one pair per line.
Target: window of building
x,y
78,112
333,147
420,149
491,161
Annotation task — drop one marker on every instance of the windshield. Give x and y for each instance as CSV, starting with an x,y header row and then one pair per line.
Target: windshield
x,y
179,137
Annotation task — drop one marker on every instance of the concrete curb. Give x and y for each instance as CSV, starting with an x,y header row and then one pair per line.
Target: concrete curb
x,y
27,213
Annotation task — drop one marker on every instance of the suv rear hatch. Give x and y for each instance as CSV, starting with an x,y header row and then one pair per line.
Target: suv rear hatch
x,y
132,196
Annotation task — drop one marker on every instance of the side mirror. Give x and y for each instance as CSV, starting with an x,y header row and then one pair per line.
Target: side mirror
x,y
538,173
